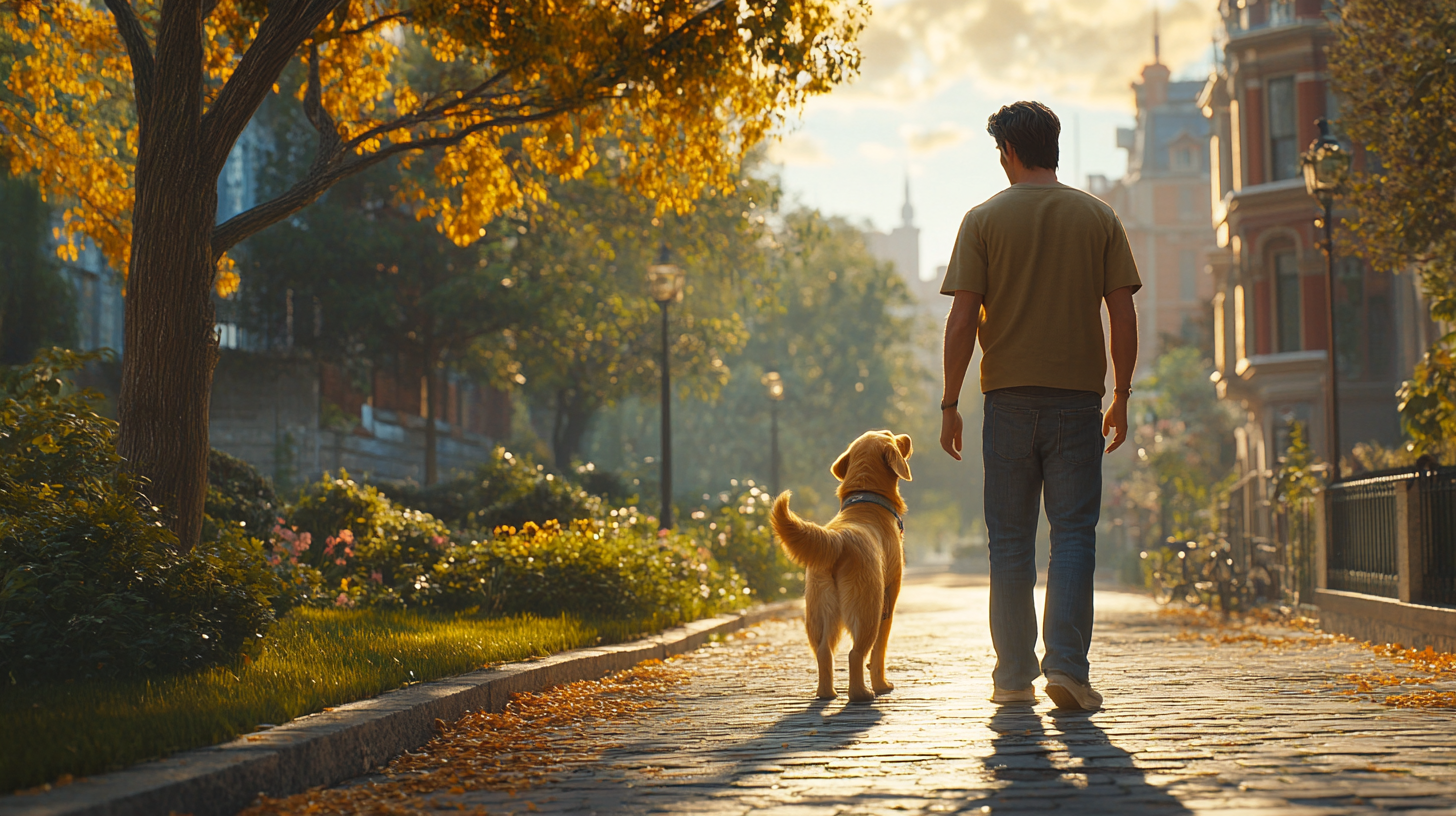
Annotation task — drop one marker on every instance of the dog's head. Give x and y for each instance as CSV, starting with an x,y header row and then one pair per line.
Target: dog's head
x,y
875,462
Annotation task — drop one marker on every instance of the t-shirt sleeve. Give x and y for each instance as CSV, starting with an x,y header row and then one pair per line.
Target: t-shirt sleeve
x,y
1118,267
967,268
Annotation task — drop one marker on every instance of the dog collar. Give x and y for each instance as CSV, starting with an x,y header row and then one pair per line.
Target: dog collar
x,y
866,497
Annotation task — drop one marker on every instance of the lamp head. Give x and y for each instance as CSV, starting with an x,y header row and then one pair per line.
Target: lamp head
x,y
665,280
775,384
1326,165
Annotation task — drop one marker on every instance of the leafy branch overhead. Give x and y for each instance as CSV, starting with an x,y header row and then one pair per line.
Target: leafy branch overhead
x,y
519,92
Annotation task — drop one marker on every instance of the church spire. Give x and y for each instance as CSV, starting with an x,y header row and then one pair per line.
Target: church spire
x,y
1157,39
907,212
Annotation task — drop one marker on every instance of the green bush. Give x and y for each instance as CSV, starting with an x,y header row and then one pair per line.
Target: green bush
x,y
368,549
507,491
90,581
238,493
619,569
737,532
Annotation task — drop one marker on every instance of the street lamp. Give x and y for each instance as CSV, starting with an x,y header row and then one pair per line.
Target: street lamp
x,y
665,282
775,385
1326,164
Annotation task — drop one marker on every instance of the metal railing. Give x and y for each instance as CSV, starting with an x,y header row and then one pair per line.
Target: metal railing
x,y
1438,536
1362,535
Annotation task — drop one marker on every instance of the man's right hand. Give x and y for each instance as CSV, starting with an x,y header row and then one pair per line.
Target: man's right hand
x,y
1115,422
950,432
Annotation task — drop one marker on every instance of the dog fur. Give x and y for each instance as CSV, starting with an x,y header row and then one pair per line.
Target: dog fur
x,y
854,564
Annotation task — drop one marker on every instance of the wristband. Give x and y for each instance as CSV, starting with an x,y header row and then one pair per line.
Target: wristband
x,y
950,405
1124,391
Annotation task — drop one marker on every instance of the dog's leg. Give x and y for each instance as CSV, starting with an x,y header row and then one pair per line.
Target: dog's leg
x,y
864,633
882,643
821,624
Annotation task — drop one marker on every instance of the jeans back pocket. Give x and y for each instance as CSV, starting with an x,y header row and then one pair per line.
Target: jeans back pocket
x,y
1081,440
1013,432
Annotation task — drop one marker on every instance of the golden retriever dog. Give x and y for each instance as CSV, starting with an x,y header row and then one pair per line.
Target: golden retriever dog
x,y
853,564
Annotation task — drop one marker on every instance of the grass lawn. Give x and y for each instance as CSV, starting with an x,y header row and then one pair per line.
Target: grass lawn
x,y
313,658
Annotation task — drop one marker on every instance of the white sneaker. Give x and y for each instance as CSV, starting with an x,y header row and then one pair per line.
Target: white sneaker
x,y
1003,696
1071,694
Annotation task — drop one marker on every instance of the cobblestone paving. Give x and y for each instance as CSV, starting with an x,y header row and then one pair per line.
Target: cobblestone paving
x,y
1188,727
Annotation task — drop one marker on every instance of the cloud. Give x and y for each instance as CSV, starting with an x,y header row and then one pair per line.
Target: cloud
x,y
876,152
922,141
799,150
1083,51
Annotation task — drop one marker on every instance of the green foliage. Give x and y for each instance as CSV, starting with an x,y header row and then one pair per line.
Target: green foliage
x,y
1297,478
37,304
314,658
92,583
238,493
371,549
507,490
1392,64
618,569
1181,434
738,532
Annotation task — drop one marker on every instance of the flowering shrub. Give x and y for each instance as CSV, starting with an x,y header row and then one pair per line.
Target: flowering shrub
x,y
366,548
737,531
506,491
90,581
620,569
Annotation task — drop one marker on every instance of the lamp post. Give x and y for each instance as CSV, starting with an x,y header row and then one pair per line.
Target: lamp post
x,y
1326,164
775,385
665,282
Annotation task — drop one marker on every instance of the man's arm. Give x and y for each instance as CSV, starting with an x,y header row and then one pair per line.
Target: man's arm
x,y
961,326
1122,320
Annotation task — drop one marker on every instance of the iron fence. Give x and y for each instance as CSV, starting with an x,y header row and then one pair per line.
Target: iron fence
x,y
1362,535
1438,534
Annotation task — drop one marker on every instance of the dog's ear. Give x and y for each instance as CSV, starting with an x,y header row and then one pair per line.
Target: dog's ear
x,y
896,460
902,441
840,468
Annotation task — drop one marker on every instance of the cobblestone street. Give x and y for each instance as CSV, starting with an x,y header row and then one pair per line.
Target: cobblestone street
x,y
1189,727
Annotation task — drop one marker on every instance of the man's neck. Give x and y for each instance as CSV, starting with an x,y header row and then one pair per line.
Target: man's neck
x,y
1036,175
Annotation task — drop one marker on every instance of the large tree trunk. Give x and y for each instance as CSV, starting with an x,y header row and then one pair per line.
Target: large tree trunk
x,y
573,417
170,353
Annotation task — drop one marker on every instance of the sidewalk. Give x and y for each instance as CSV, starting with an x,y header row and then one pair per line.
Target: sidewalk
x,y
1189,727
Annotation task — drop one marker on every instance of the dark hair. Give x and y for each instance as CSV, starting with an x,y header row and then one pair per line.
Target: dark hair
x,y
1029,128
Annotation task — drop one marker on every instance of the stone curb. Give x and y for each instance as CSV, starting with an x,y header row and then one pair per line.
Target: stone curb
x,y
331,746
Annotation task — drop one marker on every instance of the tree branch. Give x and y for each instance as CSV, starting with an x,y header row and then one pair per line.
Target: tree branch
x,y
138,51
229,233
285,28
318,115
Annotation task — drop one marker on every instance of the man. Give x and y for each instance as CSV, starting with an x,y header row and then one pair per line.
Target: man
x,y
1031,269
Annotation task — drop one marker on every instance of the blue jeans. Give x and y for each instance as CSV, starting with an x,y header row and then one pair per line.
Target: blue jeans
x,y
1035,442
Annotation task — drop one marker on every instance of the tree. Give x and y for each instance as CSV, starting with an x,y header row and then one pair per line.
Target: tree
x,y
37,306
597,341
523,91
390,289
1393,64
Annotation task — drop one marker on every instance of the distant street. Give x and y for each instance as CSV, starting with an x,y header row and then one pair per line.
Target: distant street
x,y
1189,727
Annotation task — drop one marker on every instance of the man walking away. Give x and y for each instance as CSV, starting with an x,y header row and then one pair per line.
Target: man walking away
x,y
1031,269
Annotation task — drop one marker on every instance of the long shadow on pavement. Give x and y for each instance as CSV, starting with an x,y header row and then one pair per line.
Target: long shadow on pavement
x,y
1105,779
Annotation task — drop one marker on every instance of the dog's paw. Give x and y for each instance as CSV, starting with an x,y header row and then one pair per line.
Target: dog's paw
x,y
886,688
826,695
861,695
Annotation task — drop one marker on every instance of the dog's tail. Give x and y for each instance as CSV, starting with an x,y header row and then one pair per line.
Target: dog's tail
x,y
807,544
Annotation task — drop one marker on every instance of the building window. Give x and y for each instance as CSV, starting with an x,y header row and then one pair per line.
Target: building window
x,y
1283,152
1286,301
1187,275
1281,12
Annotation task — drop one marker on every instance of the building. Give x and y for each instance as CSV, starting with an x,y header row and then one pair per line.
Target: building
x,y
901,247
1269,295
1163,203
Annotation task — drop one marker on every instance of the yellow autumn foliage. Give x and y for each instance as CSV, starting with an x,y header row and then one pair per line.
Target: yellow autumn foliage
x,y
517,92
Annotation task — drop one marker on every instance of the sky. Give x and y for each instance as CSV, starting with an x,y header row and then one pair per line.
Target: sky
x,y
933,70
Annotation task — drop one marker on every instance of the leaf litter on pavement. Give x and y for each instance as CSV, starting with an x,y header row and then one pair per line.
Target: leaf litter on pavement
x,y
536,735
1417,667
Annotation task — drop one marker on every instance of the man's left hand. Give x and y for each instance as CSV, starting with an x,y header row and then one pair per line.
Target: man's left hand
x,y
950,432
1116,420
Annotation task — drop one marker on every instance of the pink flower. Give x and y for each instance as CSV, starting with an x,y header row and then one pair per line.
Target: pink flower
x,y
348,552
346,536
341,561
376,577
437,540
305,540
329,545
663,533
343,600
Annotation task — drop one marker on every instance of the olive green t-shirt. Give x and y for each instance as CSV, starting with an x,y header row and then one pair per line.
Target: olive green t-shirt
x,y
1042,256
